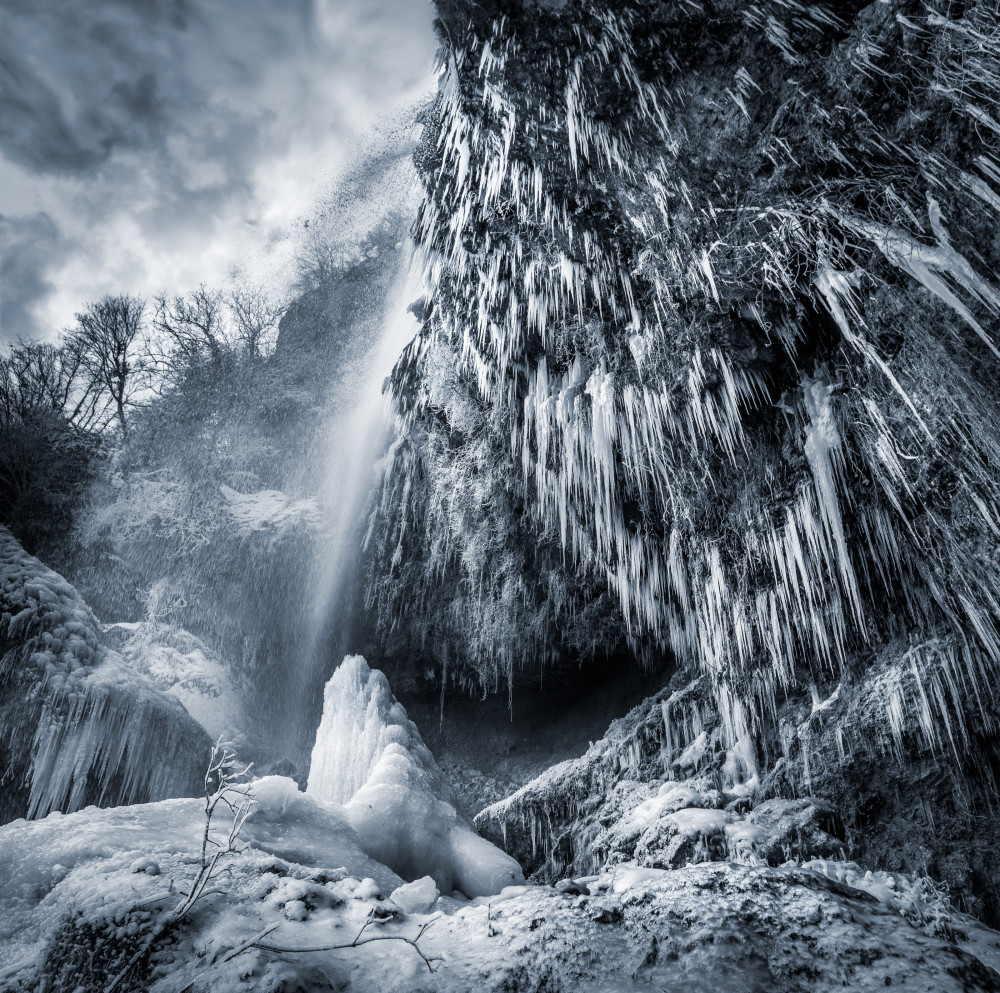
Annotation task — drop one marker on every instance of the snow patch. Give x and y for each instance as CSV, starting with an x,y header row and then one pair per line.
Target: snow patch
x,y
268,510
183,667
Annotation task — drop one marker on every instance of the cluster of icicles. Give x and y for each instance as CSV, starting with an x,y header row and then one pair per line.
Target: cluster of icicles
x,y
95,732
591,434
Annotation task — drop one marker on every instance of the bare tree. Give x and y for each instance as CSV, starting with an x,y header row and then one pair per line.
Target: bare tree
x,y
38,376
51,412
107,335
255,317
192,325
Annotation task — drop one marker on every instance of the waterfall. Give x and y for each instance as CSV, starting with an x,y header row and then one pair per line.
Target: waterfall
x,y
355,438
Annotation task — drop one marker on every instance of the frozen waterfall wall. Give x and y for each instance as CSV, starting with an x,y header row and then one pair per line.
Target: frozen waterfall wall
x,y
77,725
713,304
710,362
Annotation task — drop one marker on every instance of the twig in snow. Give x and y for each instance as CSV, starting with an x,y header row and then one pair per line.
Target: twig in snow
x,y
356,943
222,785
249,943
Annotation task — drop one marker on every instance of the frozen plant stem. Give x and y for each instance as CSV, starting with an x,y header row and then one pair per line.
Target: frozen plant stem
x,y
222,785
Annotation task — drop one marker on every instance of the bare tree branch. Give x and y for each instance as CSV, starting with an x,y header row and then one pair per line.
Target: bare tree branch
x,y
107,335
255,317
192,326
223,784
356,943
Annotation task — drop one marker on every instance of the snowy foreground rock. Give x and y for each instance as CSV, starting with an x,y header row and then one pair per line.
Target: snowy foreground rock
x,y
80,892
369,756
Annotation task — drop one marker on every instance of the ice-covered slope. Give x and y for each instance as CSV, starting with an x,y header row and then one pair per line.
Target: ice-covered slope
x,y
661,789
369,756
79,725
80,893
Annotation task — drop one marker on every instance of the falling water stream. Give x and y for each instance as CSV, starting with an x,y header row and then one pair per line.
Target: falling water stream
x,y
356,433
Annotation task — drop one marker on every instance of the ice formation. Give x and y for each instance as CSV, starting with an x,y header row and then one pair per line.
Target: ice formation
x,y
690,368
417,897
369,757
81,725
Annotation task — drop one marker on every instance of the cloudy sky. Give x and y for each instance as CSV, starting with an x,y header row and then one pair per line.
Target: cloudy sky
x,y
156,144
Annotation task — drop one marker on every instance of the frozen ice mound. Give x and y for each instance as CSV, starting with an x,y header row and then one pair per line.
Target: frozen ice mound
x,y
369,757
79,724
184,667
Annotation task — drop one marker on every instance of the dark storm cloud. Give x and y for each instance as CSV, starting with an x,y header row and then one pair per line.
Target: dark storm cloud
x,y
30,247
80,81
168,116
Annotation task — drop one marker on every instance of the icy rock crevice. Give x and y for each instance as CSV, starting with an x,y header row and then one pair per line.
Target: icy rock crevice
x,y
369,757
79,725
653,789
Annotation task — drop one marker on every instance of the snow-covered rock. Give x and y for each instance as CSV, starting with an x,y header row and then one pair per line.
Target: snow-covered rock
x,y
74,910
370,757
417,897
585,812
184,667
779,829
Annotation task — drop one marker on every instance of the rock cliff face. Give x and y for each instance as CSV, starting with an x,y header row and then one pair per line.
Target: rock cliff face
x,y
708,369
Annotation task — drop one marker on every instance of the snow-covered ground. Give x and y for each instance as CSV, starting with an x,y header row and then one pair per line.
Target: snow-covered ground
x,y
79,894
301,897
